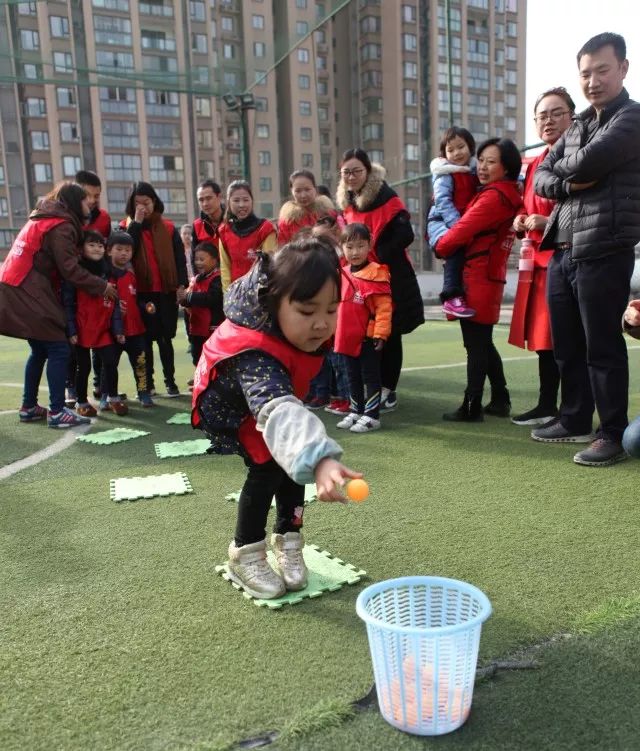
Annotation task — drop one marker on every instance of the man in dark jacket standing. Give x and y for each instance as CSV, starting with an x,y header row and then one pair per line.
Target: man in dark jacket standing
x,y
593,173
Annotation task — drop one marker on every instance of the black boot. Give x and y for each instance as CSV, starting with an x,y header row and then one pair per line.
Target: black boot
x,y
469,411
500,404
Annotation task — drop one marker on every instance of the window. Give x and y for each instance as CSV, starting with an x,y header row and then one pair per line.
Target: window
x,y
39,140
477,51
203,107
120,134
411,125
117,99
112,30
68,132
373,104
174,200
262,104
304,108
478,104
233,133
123,167
66,97
456,46
42,173
323,113
259,49
230,79
226,22
265,184
511,52
306,134
321,62
164,135
29,39
413,205
377,155
499,56
512,77
302,4
322,88
197,10
264,158
32,71
410,97
162,103
199,43
266,209
27,9
35,107
107,61
409,13
307,160
443,74
303,55
304,82
158,40
484,4
320,36
302,28
409,42
234,159
373,131
410,70
70,165
205,169
4,207
443,101
477,77
511,100
63,62
121,5
117,196
372,79
257,21
228,51
499,30
371,51
205,138
370,25
59,26
200,74
166,169
260,77
262,131
512,29
411,152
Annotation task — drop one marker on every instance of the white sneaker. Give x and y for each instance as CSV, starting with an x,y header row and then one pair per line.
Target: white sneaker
x,y
365,425
248,567
290,560
348,421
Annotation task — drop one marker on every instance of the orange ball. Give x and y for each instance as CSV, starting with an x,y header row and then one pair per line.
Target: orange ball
x,y
357,490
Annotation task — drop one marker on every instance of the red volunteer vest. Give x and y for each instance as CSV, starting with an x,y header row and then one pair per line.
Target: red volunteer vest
x,y
202,233
535,204
465,186
228,340
354,314
102,224
199,316
147,239
127,293
93,319
29,241
376,221
241,250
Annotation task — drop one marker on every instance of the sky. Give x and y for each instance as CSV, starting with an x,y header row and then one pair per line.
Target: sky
x,y
557,29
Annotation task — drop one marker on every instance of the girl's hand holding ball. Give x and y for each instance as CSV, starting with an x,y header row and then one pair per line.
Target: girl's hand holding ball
x,y
330,476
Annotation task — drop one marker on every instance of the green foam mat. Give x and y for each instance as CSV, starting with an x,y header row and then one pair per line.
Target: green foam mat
x,y
132,488
180,418
326,574
117,435
310,495
182,448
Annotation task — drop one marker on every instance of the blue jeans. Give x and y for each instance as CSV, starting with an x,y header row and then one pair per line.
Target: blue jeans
x,y
452,276
631,439
56,355
340,379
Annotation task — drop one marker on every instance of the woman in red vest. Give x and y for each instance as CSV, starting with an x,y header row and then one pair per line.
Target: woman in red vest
x,y
160,268
364,196
485,231
45,252
242,234
530,324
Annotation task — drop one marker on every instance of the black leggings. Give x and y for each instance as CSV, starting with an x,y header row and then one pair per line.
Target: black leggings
x,y
108,357
262,483
167,358
134,346
391,362
483,359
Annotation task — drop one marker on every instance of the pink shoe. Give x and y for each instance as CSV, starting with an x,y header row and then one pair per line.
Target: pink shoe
x,y
457,307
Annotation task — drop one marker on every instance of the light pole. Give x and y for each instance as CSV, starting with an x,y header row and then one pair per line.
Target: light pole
x,y
242,104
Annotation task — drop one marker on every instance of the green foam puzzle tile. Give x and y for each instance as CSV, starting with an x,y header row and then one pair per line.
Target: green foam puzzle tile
x,y
182,448
326,574
132,488
180,418
117,435
310,495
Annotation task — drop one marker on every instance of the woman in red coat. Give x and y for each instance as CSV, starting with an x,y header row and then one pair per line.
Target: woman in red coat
x,y
485,231
530,324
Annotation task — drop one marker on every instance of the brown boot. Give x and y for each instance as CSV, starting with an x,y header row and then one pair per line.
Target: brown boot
x,y
290,561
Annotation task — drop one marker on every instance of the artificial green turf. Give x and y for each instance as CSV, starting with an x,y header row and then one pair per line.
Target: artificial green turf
x,y
116,633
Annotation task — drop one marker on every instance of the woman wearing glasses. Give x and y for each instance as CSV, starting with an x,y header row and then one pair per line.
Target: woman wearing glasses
x,y
364,196
530,324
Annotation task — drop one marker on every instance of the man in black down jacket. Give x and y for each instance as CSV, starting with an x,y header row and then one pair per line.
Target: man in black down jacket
x,y
593,173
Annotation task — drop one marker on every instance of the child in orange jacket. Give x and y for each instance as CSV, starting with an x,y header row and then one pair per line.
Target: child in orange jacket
x,y
364,324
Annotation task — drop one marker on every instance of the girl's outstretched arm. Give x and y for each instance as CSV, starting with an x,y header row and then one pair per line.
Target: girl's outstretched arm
x,y
330,478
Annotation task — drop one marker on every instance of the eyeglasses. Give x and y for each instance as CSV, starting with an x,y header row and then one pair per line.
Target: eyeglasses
x,y
544,117
350,172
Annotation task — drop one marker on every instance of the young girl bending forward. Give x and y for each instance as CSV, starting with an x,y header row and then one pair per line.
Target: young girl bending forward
x,y
251,377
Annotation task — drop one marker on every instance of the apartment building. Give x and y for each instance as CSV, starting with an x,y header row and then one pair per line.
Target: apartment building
x,y
174,91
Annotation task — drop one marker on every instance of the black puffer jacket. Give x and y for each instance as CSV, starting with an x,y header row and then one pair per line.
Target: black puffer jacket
x,y
606,217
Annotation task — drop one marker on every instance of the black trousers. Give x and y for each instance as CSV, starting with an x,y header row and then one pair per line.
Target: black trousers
x,y
483,359
134,346
364,381
586,302
108,360
167,358
549,377
391,362
262,483
197,343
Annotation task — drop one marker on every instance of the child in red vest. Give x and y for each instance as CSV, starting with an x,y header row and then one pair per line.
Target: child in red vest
x,y
120,252
364,324
203,298
94,323
251,377
454,185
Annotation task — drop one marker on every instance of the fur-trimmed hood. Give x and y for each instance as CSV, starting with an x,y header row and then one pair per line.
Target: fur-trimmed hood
x,y
371,188
293,213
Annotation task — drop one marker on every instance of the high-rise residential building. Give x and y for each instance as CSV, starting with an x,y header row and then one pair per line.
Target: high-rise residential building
x,y
175,91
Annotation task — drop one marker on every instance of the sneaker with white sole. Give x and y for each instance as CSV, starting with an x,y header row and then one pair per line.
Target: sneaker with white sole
x,y
289,559
555,432
248,567
32,414
536,416
389,403
603,452
365,425
66,418
348,421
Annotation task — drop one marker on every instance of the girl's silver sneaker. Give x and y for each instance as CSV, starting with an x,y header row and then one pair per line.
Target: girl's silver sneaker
x,y
249,568
289,559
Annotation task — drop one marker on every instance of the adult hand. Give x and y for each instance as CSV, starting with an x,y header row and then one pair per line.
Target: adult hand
x,y
632,313
573,187
73,340
111,292
535,222
330,478
139,214
378,344
519,223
